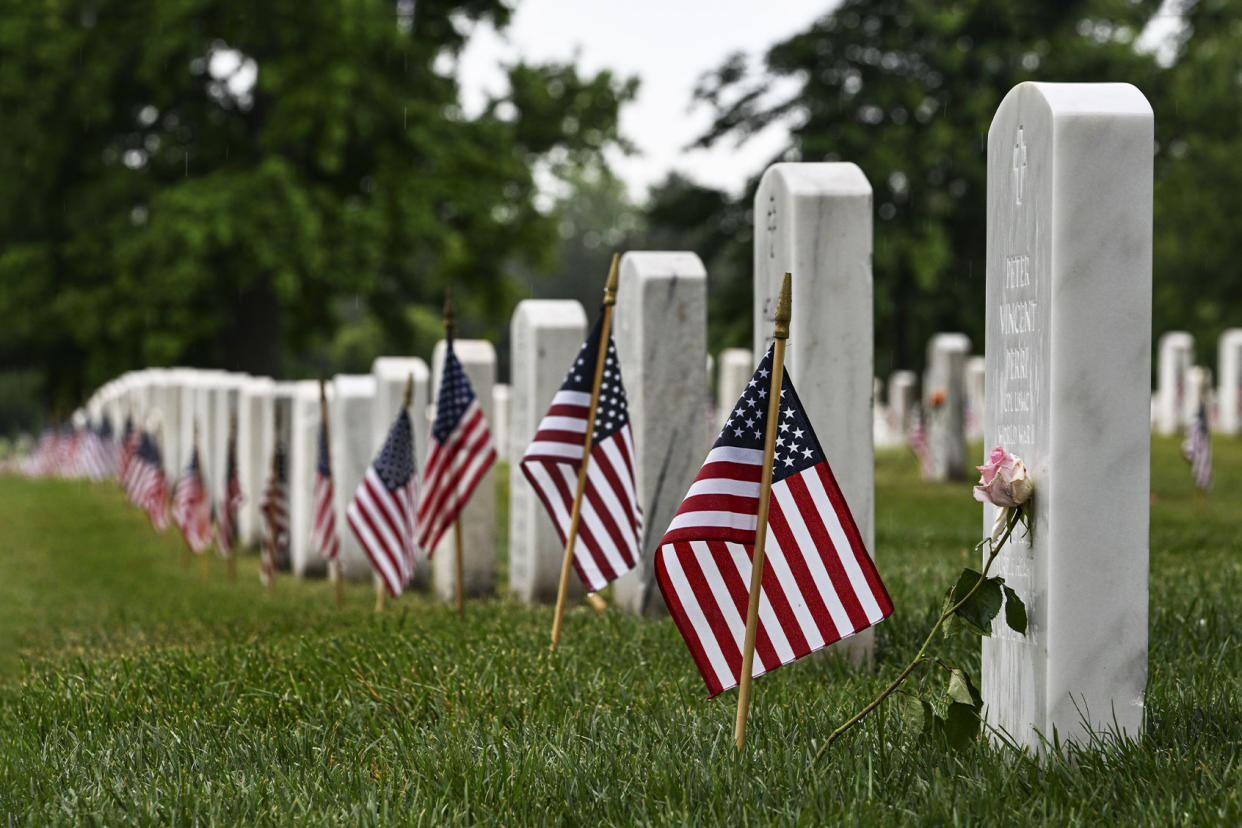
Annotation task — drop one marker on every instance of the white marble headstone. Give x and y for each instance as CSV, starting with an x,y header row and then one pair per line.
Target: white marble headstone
x,y
1068,377
815,222
478,518
736,366
1229,381
302,457
973,413
544,338
660,328
255,435
903,396
1174,358
353,444
944,400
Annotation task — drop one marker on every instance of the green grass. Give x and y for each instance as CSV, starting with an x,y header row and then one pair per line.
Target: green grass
x,y
133,691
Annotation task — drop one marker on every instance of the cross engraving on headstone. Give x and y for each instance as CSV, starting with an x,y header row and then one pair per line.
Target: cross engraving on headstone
x,y
1019,167
771,227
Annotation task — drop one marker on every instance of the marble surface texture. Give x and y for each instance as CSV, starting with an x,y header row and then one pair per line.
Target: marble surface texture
x,y
814,220
1068,348
660,327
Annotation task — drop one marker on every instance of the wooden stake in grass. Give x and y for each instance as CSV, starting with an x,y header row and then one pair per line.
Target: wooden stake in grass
x,y
610,299
450,328
780,334
338,574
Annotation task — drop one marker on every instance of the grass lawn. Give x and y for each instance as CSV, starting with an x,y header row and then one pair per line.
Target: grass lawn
x,y
132,690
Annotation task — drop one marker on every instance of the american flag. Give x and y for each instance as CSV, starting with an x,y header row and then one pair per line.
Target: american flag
x,y
819,584
1197,450
461,453
919,443
191,510
129,444
382,510
610,526
323,529
274,506
145,483
226,526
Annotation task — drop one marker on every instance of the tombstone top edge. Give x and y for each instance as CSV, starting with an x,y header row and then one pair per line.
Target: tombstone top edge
x,y
657,264
1177,337
1070,100
841,178
395,367
468,350
552,312
353,385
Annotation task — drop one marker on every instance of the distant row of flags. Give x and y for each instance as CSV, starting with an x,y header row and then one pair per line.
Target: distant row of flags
x,y
766,477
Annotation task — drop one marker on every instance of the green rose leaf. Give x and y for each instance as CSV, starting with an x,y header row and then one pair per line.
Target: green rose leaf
x,y
916,714
984,605
961,725
962,690
1015,611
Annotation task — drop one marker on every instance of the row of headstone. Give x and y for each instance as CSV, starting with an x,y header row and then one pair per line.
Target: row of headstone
x,y
1068,276
1183,388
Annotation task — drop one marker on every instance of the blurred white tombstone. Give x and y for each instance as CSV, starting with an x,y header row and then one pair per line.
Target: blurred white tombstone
x,y
544,336
478,518
973,414
660,330
815,222
255,435
1068,377
944,399
903,396
353,445
737,365
1175,355
502,401
303,457
1229,378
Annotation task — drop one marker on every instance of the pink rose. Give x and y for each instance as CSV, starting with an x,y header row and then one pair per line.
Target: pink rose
x,y
1003,480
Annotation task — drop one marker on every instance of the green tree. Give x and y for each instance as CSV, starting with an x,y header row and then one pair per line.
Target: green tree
x,y
906,90
220,183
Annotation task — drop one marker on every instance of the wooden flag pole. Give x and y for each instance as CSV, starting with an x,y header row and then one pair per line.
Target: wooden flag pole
x,y
338,574
780,334
450,328
610,299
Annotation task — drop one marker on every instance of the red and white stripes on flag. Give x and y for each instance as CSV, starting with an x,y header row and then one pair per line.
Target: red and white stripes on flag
x,y
323,524
191,511
610,527
145,483
274,506
382,511
461,452
226,526
819,584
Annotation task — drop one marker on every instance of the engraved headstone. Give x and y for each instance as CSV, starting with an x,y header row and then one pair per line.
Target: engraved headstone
x,y
544,336
944,400
660,328
353,445
1069,330
478,518
1175,355
815,222
1229,381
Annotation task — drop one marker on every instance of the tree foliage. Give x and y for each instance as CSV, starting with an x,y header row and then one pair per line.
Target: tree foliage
x,y
220,183
907,91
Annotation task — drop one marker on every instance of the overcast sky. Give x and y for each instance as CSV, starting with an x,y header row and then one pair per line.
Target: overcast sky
x,y
668,44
